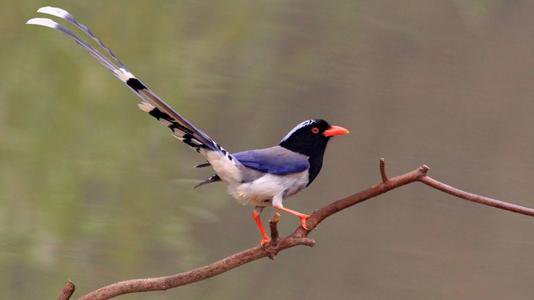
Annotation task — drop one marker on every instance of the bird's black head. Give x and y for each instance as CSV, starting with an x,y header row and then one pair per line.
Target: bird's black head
x,y
310,138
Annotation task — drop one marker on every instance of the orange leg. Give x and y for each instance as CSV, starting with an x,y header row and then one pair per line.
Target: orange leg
x,y
256,216
303,217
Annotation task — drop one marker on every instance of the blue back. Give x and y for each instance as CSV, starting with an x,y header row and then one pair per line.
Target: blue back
x,y
276,160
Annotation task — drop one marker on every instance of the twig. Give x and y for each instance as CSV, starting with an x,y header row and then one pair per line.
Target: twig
x,y
273,224
271,246
67,291
298,237
383,170
476,198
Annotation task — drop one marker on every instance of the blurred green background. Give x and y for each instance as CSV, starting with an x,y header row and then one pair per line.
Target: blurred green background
x,y
94,190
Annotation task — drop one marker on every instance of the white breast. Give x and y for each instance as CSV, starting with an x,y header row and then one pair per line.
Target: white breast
x,y
266,187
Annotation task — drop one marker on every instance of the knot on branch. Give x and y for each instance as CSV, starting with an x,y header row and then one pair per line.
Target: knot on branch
x,y
424,169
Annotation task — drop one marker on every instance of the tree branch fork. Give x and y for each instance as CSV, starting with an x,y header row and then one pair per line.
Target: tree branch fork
x,y
297,238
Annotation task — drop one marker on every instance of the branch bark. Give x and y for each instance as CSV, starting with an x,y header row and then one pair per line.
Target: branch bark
x,y
297,238
67,291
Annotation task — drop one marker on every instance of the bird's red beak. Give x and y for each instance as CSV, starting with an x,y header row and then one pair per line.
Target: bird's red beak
x,y
335,130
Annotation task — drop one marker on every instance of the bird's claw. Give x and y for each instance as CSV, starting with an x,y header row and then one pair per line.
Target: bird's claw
x,y
303,220
265,241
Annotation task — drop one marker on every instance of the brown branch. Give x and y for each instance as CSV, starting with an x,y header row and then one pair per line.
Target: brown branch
x,y
172,281
336,206
298,237
67,291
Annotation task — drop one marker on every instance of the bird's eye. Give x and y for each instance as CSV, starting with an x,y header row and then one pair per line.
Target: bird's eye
x,y
315,130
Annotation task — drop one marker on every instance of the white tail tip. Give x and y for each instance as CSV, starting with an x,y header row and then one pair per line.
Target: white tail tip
x,y
54,11
42,22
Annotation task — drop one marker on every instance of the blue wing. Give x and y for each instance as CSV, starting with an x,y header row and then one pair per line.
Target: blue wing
x,y
274,160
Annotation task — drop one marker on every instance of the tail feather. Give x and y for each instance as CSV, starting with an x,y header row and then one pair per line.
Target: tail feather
x,y
54,25
214,178
203,165
150,102
61,13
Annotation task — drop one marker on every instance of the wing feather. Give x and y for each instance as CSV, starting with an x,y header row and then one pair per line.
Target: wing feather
x,y
275,160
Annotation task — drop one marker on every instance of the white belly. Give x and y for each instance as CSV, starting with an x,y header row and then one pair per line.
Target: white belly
x,y
263,189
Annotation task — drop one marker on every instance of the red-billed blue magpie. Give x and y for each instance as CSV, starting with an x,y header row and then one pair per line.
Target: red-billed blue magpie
x,y
260,178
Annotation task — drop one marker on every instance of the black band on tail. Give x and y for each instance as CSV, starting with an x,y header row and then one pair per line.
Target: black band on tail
x,y
135,84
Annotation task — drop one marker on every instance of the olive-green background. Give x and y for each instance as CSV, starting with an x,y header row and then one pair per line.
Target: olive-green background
x,y
94,190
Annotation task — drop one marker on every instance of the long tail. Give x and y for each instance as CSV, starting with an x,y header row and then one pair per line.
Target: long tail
x,y
151,103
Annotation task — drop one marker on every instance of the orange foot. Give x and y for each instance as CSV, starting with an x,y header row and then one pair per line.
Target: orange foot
x,y
303,219
264,241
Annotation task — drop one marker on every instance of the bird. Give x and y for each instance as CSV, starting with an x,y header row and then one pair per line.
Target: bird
x,y
259,177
